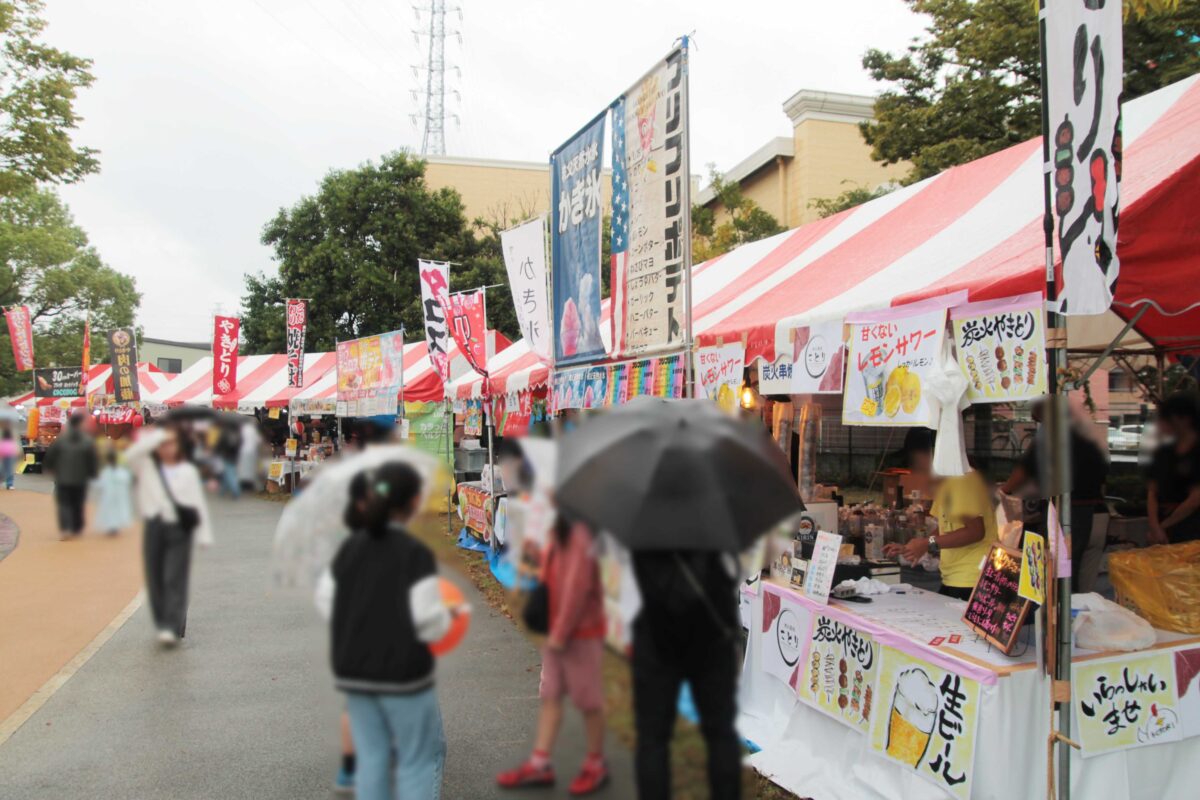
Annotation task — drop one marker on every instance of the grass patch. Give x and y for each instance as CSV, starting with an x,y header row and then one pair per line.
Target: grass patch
x,y
688,761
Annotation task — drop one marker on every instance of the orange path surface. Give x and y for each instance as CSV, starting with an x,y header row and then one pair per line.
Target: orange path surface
x,y
56,597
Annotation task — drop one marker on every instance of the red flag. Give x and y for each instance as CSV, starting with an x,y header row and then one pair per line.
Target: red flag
x,y
466,317
297,323
87,357
20,330
225,354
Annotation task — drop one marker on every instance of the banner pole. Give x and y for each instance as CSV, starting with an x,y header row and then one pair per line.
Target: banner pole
x,y
403,413
689,376
1056,460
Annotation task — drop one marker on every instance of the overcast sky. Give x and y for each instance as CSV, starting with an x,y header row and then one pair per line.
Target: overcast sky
x,y
211,116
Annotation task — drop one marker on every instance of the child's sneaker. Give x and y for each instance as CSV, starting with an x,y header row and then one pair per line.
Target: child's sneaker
x,y
526,775
591,778
344,782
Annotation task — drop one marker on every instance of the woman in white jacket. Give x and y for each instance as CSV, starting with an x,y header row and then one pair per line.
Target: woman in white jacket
x,y
170,498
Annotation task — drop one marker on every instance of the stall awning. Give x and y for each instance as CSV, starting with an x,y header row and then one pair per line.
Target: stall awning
x,y
150,380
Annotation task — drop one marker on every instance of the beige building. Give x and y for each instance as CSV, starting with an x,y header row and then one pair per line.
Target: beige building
x,y
824,156
172,356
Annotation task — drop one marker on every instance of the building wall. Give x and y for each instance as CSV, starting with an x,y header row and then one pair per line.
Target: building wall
x,y
503,191
188,353
831,157
768,188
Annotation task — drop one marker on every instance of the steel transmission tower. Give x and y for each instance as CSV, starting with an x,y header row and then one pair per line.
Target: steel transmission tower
x,y
433,139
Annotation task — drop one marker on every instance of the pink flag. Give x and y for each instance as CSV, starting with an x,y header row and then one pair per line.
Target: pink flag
x,y
20,330
466,317
225,354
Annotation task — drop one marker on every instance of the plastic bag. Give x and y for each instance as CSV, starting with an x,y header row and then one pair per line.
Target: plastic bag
x,y
1161,584
1104,625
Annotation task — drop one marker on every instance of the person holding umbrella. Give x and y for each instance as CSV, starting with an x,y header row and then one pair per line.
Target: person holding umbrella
x,y
686,487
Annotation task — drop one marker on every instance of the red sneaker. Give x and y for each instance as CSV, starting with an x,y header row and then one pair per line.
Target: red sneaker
x,y
591,778
524,776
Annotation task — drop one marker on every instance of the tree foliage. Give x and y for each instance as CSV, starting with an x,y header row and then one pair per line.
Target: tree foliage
x,y
971,85
38,86
352,249
47,264
744,220
854,196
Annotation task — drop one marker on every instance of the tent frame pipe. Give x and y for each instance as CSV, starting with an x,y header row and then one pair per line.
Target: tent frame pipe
x,y
1108,351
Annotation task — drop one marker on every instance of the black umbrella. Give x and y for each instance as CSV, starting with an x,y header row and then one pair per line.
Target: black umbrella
x,y
675,475
188,413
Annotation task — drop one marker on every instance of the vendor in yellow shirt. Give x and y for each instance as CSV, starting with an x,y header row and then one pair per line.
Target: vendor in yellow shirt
x,y
966,521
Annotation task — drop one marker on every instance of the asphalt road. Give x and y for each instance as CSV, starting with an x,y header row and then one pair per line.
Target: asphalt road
x,y
245,707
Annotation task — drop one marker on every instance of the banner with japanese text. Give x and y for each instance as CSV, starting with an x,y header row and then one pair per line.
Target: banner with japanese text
x,y
524,250
430,429
466,317
369,374
517,413
1084,66
891,356
122,355
783,647
435,294
617,384
58,382
839,672
1001,348
651,201
297,325
20,331
87,355
225,354
575,175
718,368
818,358
1124,702
926,719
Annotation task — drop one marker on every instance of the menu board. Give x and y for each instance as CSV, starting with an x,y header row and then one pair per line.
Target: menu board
x,y
996,608
819,579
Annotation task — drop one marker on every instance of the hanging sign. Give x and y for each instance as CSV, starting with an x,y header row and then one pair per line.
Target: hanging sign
x,y
369,374
891,356
1127,701
122,355
524,250
20,331
518,411
466,317
1084,65
435,293
839,672
651,204
297,325
926,720
57,381
225,354
1001,348
575,244
818,358
1033,568
718,367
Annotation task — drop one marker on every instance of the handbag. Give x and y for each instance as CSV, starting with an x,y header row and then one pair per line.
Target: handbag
x,y
536,614
187,517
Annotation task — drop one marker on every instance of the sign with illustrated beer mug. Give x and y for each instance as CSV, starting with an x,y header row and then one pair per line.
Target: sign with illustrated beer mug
x,y
926,719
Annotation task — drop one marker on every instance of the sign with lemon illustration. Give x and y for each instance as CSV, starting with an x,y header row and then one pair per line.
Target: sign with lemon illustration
x,y
891,356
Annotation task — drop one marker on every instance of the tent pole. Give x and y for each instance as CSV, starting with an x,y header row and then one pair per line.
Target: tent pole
x,y
689,378
1078,384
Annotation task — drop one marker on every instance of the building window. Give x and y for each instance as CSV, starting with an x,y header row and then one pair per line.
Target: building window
x,y
1120,381
170,364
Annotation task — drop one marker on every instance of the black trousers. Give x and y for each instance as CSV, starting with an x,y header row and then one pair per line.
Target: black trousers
x,y
167,553
710,663
70,500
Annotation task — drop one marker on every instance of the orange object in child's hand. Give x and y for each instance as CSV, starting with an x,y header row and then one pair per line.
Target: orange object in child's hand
x,y
459,622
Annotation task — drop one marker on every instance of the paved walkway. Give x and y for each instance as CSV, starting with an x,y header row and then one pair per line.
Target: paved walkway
x,y
244,709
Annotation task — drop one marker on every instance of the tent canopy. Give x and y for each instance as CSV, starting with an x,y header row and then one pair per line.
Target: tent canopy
x,y
976,228
99,384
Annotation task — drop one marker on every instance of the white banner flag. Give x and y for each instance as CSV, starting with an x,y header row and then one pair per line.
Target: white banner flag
x,y
1083,74
525,259
435,291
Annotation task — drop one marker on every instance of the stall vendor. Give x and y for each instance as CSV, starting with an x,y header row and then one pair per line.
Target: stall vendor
x,y
1173,491
965,521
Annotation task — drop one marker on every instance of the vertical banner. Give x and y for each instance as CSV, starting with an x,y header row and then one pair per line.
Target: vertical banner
x,y
435,293
87,355
1084,64
1001,348
575,245
525,259
225,354
892,354
122,354
466,316
297,324
20,330
651,201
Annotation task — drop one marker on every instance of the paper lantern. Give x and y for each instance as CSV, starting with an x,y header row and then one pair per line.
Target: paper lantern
x,y
138,420
453,598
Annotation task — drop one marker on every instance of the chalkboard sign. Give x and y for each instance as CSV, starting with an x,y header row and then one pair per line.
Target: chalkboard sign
x,y
996,610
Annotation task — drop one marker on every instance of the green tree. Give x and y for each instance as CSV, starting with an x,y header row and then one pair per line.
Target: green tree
x,y
352,249
47,264
38,86
971,86
854,196
744,220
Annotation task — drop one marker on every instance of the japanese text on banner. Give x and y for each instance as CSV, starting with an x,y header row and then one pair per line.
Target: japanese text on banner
x,y
1126,702
839,672
122,354
369,374
20,331
525,260
818,358
786,626
650,201
466,316
297,324
890,360
435,293
1001,348
225,354
926,719
719,368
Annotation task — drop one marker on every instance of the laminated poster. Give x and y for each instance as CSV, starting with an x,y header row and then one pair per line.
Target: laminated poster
x,y
892,353
1001,348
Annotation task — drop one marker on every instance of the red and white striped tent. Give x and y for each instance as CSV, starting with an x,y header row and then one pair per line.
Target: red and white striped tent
x,y
99,384
975,228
